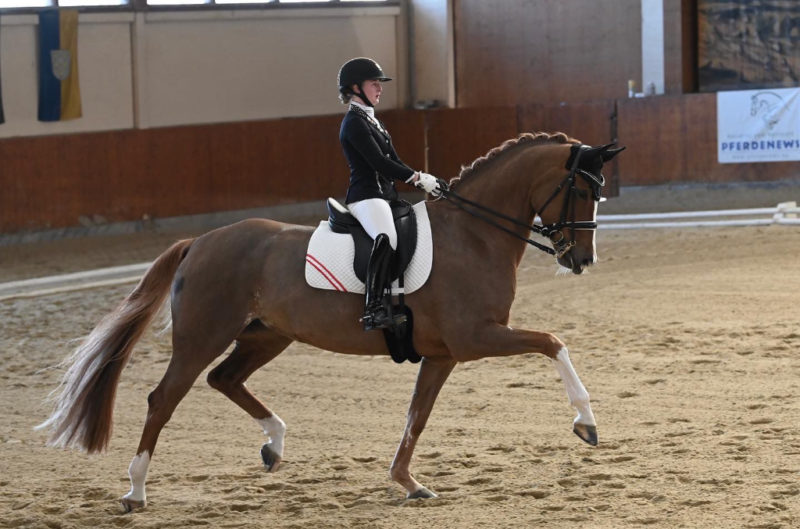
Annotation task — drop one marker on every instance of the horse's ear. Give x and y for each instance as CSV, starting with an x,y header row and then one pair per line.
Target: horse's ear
x,y
591,153
608,153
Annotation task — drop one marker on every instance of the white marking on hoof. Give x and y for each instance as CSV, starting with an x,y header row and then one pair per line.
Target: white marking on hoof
x,y
275,429
577,394
137,470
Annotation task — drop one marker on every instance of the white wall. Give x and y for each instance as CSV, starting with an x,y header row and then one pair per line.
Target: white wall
x,y
176,68
104,60
202,69
432,51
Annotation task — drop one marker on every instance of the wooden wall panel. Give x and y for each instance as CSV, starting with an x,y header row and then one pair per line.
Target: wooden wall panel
x,y
592,123
673,44
456,137
589,122
53,181
673,139
407,128
545,51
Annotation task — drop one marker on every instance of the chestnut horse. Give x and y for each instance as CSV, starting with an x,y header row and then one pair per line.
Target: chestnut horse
x,y
245,283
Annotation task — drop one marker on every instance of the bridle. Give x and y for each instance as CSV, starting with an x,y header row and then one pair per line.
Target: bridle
x,y
552,231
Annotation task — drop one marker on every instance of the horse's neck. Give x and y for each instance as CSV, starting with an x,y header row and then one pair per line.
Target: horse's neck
x,y
503,187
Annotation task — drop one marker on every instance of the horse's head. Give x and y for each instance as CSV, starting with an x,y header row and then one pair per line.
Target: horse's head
x,y
754,106
568,207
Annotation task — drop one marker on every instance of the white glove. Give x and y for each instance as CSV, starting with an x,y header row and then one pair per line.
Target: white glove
x,y
428,183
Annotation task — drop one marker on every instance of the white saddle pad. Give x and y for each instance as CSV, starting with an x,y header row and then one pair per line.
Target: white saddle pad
x,y
329,259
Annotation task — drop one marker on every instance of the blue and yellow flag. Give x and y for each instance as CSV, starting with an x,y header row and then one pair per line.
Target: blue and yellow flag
x,y
59,91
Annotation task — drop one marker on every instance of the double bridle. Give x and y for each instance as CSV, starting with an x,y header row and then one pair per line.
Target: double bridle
x,y
552,231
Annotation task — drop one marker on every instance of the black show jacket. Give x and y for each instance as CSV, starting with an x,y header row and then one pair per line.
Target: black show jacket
x,y
374,164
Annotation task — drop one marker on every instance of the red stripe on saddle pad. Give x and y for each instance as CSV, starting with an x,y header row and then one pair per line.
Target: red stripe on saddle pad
x,y
327,274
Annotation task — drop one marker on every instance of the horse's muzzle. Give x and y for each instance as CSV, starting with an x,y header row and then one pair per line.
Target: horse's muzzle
x,y
573,261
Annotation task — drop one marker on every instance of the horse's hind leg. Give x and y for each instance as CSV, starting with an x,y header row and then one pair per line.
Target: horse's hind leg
x,y
192,351
256,346
176,382
433,372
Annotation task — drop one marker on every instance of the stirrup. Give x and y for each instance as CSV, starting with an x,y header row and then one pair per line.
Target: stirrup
x,y
377,318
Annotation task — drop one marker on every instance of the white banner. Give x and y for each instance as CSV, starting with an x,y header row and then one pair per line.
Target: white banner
x,y
758,126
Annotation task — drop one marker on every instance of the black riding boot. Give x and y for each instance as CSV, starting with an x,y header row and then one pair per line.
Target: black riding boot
x,y
376,312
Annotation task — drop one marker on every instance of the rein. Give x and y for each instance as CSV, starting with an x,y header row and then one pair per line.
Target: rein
x,y
560,246
459,202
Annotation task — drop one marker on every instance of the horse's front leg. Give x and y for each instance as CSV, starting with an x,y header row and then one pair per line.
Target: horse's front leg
x,y
432,374
501,340
584,424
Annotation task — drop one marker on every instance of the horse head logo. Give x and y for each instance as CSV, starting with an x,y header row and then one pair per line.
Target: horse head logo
x,y
768,106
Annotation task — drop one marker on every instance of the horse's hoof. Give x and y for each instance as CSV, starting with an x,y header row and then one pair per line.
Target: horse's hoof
x,y
271,459
130,505
421,493
586,432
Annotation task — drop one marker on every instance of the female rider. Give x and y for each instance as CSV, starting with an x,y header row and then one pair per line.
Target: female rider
x,y
374,166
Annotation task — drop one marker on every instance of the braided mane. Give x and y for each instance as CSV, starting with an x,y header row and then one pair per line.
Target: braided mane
x,y
526,138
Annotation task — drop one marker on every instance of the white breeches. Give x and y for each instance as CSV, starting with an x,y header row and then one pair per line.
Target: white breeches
x,y
376,217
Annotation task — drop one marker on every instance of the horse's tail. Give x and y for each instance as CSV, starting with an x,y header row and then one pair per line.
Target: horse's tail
x,y
82,415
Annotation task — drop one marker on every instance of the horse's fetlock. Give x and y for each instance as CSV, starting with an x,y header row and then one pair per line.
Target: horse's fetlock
x,y
395,474
581,401
554,347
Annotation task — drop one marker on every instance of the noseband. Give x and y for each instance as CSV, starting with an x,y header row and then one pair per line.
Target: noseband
x,y
552,231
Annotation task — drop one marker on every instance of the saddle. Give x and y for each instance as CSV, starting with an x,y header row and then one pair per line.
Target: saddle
x,y
405,222
398,337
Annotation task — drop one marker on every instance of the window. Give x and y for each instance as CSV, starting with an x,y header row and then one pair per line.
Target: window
x,y
272,2
93,3
29,4
25,3
37,4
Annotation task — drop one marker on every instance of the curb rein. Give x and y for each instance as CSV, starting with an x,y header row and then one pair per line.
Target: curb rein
x,y
560,245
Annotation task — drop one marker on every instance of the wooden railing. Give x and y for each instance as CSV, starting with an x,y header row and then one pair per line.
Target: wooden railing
x,y
56,181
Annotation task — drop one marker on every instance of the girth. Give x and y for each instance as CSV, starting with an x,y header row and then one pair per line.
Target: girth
x,y
405,222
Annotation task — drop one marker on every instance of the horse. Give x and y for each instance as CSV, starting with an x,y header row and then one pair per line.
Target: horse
x,y
244,284
768,105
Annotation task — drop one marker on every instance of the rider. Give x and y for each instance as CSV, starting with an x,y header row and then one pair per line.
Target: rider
x,y
374,166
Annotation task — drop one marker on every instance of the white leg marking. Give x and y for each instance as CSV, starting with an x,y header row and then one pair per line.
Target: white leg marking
x,y
578,396
275,429
138,472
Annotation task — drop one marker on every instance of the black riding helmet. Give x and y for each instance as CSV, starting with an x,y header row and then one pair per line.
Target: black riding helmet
x,y
356,71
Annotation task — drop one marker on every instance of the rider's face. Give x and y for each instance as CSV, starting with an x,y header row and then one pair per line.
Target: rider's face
x,y
372,90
